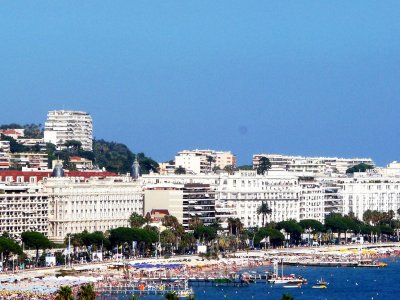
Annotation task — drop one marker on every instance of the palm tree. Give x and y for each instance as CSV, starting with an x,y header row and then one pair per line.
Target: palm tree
x,y
210,161
86,292
264,210
64,293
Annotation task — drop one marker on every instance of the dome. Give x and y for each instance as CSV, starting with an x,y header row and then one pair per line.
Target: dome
x,y
58,170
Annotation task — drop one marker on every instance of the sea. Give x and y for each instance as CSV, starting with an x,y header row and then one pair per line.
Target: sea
x,y
344,283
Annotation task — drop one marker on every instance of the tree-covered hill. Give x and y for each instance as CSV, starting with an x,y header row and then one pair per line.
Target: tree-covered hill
x,y
114,157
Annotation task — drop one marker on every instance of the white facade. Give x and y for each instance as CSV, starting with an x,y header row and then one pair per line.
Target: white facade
x,y
23,207
97,204
64,125
370,191
197,161
316,165
245,191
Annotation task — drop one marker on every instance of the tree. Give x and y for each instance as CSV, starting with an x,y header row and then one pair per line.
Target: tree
x,y
336,223
9,246
180,170
275,236
313,225
264,210
136,220
293,228
230,169
73,145
86,292
205,233
64,293
210,160
359,168
36,240
263,165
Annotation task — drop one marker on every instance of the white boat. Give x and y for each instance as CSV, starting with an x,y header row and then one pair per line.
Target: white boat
x,y
291,279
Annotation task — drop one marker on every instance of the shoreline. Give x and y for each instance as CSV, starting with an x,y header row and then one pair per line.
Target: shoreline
x,y
42,284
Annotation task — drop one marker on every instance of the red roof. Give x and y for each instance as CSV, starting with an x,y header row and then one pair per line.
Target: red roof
x,y
10,131
159,211
40,174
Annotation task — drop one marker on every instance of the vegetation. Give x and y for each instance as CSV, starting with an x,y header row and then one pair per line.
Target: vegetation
x,y
263,165
116,157
180,170
86,292
136,220
64,293
359,168
264,210
113,157
35,240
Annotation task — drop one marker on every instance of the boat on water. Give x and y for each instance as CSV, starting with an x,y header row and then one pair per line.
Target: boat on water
x,y
290,279
292,286
321,284
184,293
369,263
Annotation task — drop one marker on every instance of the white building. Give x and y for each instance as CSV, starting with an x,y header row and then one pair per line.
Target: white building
x,y
66,125
370,191
204,161
23,207
95,204
316,165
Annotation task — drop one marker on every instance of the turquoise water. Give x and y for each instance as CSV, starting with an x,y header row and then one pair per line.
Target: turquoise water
x,y
344,283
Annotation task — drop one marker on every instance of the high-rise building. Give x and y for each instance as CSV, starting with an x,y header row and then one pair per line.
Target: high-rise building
x,y
66,125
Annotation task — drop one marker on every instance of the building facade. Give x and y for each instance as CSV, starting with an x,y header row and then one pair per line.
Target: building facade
x,y
23,207
184,201
316,165
94,204
66,125
204,161
370,191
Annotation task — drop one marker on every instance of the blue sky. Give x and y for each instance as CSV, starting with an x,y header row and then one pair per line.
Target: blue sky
x,y
292,77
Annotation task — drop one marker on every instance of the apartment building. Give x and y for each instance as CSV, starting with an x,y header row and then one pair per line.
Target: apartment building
x,y
311,199
371,191
66,125
29,160
245,191
184,201
315,165
23,207
204,161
